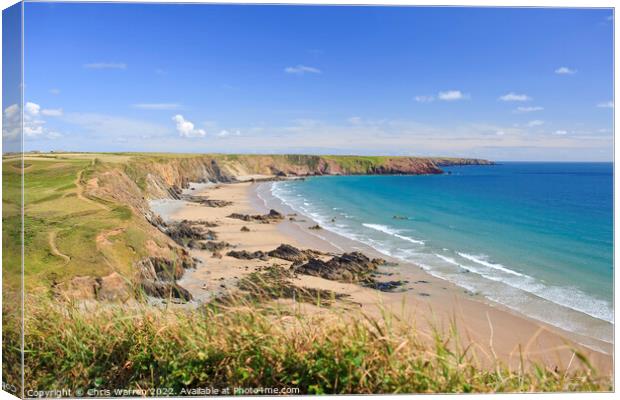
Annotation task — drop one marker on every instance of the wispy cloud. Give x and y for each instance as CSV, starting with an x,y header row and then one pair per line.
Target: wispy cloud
x,y
156,106
103,127
424,99
55,91
528,109
301,70
514,97
106,65
187,128
535,122
52,112
565,71
452,95
225,133
606,104
560,132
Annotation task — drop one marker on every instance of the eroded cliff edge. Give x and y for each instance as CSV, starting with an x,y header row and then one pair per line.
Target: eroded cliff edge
x,y
157,175
153,257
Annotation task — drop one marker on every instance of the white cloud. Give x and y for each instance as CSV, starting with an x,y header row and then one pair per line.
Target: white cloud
x,y
55,91
500,133
11,122
606,104
514,97
32,108
355,120
528,109
186,128
105,65
156,106
560,132
33,126
11,111
301,70
424,99
565,71
535,122
452,95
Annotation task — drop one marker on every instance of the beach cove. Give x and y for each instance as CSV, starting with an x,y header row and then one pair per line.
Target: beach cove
x,y
424,301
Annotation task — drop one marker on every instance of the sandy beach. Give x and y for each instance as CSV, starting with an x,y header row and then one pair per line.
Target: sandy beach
x,y
424,301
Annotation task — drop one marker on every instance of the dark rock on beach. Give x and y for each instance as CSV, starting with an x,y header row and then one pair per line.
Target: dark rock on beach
x,y
389,286
206,202
349,267
246,255
289,253
295,255
184,231
272,216
210,245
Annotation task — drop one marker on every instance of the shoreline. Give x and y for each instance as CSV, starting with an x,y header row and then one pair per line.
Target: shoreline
x,y
597,338
427,301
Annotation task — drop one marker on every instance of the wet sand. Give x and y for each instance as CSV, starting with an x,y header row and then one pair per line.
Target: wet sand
x,y
425,303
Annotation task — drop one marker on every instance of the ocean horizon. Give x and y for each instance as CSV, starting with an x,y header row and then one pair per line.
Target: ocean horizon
x,y
536,237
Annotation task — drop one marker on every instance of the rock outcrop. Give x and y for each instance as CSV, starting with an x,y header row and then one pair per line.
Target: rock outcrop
x,y
289,253
247,255
272,216
158,277
293,254
185,231
352,267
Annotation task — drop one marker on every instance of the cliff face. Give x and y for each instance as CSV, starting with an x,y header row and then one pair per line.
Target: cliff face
x,y
157,259
161,176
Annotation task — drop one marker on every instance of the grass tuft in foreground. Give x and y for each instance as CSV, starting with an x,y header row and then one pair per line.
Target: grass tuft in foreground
x,y
246,345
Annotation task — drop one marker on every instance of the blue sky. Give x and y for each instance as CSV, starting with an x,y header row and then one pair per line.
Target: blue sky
x,y
504,84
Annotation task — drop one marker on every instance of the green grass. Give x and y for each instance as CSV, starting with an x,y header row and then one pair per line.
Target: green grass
x,y
52,206
254,345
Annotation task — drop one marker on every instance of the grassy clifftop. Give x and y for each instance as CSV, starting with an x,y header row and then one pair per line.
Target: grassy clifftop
x,y
153,172
84,212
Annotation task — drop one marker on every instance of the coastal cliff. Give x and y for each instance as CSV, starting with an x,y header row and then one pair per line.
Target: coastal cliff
x,y
111,193
156,175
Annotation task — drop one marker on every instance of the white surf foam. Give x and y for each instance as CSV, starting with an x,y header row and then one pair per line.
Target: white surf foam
x,y
392,232
481,260
568,297
480,265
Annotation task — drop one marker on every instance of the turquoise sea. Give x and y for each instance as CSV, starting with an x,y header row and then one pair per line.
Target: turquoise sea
x,y
535,237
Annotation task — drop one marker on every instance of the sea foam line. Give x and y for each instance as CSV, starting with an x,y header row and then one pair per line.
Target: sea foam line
x,y
479,260
392,232
571,298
